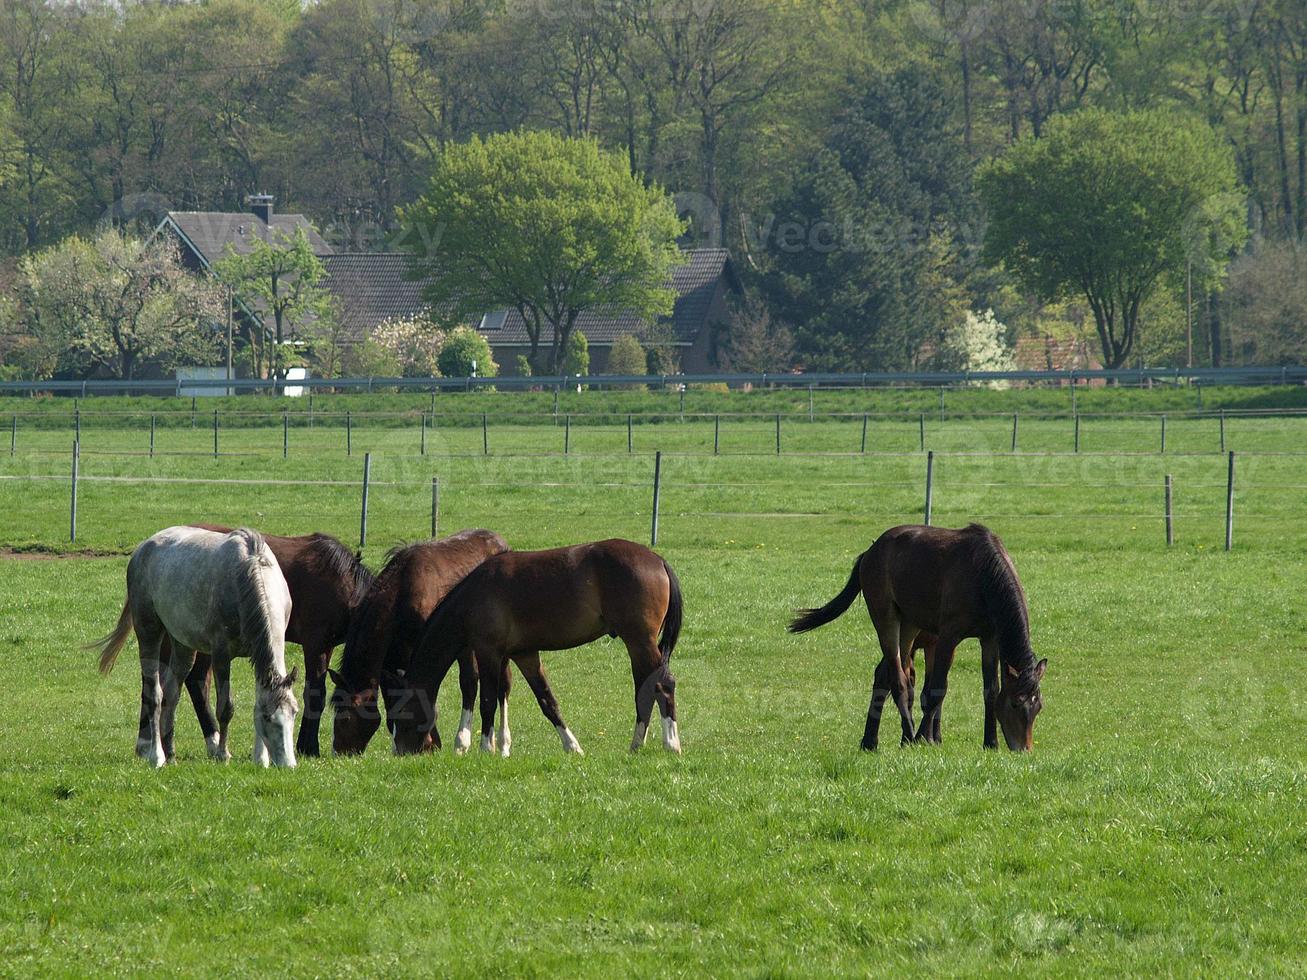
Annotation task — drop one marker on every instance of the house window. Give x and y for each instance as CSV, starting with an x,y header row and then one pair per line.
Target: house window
x,y
494,320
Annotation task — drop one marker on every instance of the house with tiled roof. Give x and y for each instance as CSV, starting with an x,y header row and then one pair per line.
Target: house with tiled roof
x,y
371,287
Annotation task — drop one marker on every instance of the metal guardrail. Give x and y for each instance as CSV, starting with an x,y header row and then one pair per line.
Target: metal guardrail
x,y
1239,376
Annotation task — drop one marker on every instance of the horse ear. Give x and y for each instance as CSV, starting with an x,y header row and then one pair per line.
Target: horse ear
x,y
1040,668
337,679
292,677
1013,672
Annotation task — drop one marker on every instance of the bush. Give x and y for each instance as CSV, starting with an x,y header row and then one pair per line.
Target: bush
x,y
465,353
576,354
523,364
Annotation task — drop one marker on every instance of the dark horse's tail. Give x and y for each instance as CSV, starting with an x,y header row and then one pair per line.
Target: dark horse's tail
x,y
672,621
810,619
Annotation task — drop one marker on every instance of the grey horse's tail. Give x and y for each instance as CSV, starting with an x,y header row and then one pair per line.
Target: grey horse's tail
x,y
110,644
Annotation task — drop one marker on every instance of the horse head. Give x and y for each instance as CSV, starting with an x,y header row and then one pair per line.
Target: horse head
x,y
275,708
356,716
410,716
1018,703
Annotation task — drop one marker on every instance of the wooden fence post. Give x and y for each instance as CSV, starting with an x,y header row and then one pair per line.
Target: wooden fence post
x,y
72,508
363,516
1014,431
864,433
435,504
1170,519
215,433
1229,505
657,487
930,486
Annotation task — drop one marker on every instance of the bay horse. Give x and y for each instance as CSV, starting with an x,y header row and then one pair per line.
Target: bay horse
x,y
515,604
225,595
326,580
954,584
386,627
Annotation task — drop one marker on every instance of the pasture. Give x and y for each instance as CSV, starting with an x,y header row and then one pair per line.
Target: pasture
x,y
1156,827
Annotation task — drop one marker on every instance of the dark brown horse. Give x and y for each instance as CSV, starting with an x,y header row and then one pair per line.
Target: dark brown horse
x,y
521,602
387,625
326,580
955,584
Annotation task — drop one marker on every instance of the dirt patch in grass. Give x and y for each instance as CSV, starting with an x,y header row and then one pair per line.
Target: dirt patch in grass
x,y
43,553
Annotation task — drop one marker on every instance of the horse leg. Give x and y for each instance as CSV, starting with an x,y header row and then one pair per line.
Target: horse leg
x,y
502,735
317,657
149,742
534,672
654,684
174,675
469,670
889,681
936,686
990,676
879,692
222,682
491,666
907,639
197,686
928,654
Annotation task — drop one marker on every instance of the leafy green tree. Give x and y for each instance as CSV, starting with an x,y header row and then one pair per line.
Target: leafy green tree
x,y
626,356
279,280
576,356
548,226
466,354
1106,205
113,303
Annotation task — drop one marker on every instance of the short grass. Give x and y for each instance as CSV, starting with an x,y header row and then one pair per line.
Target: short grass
x,y
1157,827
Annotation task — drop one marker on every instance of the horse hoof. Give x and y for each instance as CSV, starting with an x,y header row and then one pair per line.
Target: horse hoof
x,y
505,749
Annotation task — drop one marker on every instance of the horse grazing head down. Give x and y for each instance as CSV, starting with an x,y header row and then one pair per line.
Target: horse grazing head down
x,y
275,708
410,716
1018,703
356,716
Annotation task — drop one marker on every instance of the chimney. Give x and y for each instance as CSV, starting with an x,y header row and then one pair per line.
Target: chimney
x,y
261,206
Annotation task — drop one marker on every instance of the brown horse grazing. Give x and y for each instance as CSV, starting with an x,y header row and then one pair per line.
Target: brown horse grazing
x,y
386,627
326,580
955,584
521,602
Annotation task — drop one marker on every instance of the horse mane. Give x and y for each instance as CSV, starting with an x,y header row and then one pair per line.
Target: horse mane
x,y
1003,598
252,602
343,563
444,627
364,620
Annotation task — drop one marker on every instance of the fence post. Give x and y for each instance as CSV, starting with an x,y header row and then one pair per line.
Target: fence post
x,y
716,434
433,401
778,433
1077,432
435,504
1222,430
941,403
1229,505
682,409
152,437
77,424
1014,431
192,411
555,403
349,433
215,433
658,478
422,423
72,509
809,403
921,423
1170,519
567,433
930,485
485,435
864,433
13,435
629,441
285,433
363,517
1163,432
310,408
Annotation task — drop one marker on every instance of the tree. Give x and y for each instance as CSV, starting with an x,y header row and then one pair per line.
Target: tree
x,y
278,278
866,251
416,344
548,226
1106,205
1265,305
755,342
576,358
978,342
113,302
626,356
466,354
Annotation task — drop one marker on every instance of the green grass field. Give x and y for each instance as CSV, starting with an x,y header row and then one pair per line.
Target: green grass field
x,y
1156,828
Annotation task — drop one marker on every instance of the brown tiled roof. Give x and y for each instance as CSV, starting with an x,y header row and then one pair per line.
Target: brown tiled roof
x,y
1047,353
210,232
372,286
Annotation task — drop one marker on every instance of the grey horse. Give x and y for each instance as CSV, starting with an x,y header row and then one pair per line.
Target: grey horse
x,y
222,594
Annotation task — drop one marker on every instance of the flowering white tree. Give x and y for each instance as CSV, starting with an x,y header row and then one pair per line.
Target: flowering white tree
x,y
979,343
415,343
